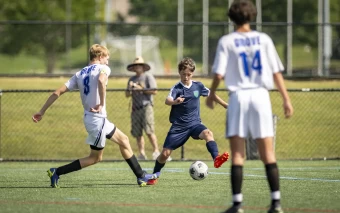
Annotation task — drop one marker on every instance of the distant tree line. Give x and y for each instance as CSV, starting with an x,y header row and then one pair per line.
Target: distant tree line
x,y
49,40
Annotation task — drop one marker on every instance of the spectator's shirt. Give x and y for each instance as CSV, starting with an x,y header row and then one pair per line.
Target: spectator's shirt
x,y
86,80
148,81
247,60
187,113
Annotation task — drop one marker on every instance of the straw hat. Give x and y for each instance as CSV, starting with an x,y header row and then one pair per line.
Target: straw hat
x,y
138,61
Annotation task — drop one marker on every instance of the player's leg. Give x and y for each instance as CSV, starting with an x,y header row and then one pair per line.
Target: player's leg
x,y
267,155
94,126
176,137
262,129
159,164
122,140
211,145
94,157
237,147
236,131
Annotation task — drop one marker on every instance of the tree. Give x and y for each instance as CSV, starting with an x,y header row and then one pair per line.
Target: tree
x,y
272,11
41,39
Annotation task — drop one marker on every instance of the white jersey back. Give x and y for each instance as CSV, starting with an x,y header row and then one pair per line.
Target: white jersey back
x,y
247,60
86,81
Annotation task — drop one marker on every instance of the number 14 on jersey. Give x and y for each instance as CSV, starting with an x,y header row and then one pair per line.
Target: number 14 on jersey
x,y
255,62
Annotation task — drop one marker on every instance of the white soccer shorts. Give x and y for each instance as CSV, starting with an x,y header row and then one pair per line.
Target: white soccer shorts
x,y
97,129
250,112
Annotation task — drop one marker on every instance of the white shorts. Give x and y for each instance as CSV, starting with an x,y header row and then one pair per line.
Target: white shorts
x,y
97,128
250,112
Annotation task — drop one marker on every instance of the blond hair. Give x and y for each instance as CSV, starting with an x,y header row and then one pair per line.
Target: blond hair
x,y
97,51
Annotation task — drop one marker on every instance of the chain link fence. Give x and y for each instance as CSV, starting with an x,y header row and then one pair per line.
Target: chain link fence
x,y
312,133
58,52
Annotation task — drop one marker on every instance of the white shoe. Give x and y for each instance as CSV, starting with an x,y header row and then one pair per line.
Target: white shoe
x,y
169,158
142,157
155,155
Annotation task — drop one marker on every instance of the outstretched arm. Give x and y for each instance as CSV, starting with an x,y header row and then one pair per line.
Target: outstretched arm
x,y
53,97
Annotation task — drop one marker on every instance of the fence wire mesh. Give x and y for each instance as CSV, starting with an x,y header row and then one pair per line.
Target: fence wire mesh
x,y
313,131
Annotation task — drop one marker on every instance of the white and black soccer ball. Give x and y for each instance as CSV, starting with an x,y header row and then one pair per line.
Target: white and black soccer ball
x,y
198,170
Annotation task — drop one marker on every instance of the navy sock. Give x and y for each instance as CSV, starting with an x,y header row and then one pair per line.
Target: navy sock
x,y
158,166
72,167
212,148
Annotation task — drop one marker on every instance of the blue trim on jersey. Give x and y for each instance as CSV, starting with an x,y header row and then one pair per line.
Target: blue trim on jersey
x,y
188,112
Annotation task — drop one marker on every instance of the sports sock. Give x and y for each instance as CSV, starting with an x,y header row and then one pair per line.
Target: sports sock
x,y
158,166
134,165
212,148
272,172
236,183
71,167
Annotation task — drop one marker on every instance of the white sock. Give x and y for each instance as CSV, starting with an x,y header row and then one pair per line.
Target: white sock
x,y
276,195
238,198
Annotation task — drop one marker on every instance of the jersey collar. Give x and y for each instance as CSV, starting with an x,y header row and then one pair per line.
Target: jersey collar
x,y
186,85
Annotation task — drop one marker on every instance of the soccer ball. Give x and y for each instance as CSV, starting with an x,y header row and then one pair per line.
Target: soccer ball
x,y
198,170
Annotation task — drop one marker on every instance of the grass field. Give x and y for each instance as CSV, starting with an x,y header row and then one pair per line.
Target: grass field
x,y
306,186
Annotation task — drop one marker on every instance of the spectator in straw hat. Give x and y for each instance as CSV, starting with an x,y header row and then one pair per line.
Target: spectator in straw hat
x,y
141,87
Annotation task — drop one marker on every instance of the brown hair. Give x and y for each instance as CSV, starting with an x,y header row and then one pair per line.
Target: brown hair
x,y
97,50
187,63
242,11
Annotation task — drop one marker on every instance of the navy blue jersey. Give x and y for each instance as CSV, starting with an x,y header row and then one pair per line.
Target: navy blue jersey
x,y
188,112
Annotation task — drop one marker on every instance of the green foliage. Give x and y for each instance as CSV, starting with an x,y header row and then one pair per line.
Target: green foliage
x,y
43,40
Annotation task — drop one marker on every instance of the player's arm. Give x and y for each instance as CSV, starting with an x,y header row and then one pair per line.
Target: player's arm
x,y
212,95
170,101
276,66
220,101
102,79
53,97
287,106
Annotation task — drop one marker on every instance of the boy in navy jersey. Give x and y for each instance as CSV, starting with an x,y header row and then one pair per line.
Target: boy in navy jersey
x,y
185,118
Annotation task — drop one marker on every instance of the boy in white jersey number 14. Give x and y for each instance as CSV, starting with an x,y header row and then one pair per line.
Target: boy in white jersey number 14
x,y
91,82
249,64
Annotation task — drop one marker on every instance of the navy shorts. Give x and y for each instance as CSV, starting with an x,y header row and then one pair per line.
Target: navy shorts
x,y
178,136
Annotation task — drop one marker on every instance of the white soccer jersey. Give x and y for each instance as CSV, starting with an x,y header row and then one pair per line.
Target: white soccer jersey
x,y
86,80
247,60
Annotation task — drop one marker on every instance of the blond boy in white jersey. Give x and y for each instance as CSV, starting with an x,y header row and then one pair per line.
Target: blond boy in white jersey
x,y
91,82
249,64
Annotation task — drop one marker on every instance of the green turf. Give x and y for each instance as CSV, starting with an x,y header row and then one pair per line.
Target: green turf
x,y
306,186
